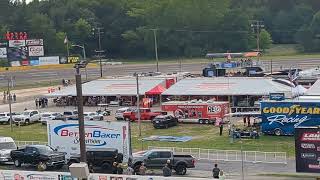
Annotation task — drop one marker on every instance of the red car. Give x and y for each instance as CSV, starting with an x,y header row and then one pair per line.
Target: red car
x,y
145,114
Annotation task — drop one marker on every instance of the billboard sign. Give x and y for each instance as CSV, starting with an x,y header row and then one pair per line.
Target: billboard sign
x,y
283,116
34,42
36,51
49,60
17,43
307,144
3,52
64,136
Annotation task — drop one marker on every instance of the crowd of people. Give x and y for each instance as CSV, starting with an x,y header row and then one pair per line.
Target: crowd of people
x,y
7,97
41,102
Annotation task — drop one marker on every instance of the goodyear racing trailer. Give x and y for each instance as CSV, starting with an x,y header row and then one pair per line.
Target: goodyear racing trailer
x,y
282,117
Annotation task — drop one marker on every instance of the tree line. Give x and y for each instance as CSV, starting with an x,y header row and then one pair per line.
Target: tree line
x,y
184,28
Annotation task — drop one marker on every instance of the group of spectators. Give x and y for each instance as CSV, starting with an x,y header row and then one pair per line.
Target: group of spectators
x,y
7,97
41,102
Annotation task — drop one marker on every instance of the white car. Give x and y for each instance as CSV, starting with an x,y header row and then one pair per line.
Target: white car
x,y
92,116
7,144
49,116
27,117
119,112
5,117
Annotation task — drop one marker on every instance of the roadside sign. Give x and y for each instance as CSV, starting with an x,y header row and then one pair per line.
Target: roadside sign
x,y
277,96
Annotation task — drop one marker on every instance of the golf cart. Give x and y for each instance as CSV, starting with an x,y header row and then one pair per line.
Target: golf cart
x,y
104,110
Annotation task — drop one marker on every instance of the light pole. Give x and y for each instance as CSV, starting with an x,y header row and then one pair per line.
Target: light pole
x,y
156,47
10,84
84,56
77,66
138,103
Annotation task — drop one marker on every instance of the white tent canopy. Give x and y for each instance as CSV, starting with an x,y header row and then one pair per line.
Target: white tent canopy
x,y
227,86
110,87
314,90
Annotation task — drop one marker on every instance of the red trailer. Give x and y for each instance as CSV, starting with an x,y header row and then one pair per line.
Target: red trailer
x,y
203,112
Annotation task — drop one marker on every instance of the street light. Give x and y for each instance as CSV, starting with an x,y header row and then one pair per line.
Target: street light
x,y
84,55
78,66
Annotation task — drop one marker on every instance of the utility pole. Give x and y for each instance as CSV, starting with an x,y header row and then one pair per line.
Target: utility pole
x,y
138,103
156,47
100,51
257,25
10,84
83,157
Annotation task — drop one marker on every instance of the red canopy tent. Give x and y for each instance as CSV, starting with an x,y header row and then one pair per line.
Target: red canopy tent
x,y
156,90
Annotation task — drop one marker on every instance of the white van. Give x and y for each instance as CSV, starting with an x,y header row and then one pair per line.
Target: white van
x,y
7,144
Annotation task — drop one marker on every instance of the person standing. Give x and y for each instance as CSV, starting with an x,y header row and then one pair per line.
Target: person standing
x,y
14,98
114,168
37,103
222,176
221,128
166,171
215,172
142,169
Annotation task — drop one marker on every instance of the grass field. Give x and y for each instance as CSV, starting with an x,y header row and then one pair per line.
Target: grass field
x,y
203,137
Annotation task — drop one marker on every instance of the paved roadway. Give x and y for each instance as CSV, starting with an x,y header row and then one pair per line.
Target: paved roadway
x,y
27,77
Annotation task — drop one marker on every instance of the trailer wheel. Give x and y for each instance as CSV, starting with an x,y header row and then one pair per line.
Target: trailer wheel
x,y
207,121
200,121
278,132
17,163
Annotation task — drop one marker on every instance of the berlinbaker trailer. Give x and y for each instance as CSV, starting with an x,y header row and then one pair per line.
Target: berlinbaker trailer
x,y
202,112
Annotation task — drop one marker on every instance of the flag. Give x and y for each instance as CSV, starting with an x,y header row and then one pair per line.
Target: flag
x,y
66,40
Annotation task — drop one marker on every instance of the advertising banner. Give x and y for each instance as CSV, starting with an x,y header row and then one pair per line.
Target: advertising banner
x,y
49,60
3,52
73,59
17,43
65,136
49,175
15,63
284,116
36,51
307,143
34,42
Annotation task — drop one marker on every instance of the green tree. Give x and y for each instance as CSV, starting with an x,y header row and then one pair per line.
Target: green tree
x,y
265,39
82,30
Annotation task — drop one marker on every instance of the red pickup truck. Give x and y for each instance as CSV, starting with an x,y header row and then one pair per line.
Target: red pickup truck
x,y
145,114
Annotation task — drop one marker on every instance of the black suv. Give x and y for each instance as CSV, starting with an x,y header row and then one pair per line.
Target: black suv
x,y
101,159
164,121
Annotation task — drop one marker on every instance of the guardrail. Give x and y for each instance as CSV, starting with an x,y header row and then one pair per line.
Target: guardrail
x,y
230,155
24,143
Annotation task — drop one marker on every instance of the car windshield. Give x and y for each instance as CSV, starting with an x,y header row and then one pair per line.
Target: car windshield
x,y
67,113
45,149
26,113
8,145
85,114
2,115
55,114
45,115
120,111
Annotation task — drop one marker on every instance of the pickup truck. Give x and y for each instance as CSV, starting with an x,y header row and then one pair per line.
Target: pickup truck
x,y
145,114
41,156
101,159
157,158
27,117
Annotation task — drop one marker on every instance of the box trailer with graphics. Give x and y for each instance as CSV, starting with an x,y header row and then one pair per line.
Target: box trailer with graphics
x,y
197,111
281,117
64,136
307,144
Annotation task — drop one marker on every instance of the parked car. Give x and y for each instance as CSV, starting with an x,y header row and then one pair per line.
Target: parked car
x,y
5,117
119,112
157,158
49,116
70,114
101,159
92,116
145,114
164,121
7,144
114,104
41,156
27,117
